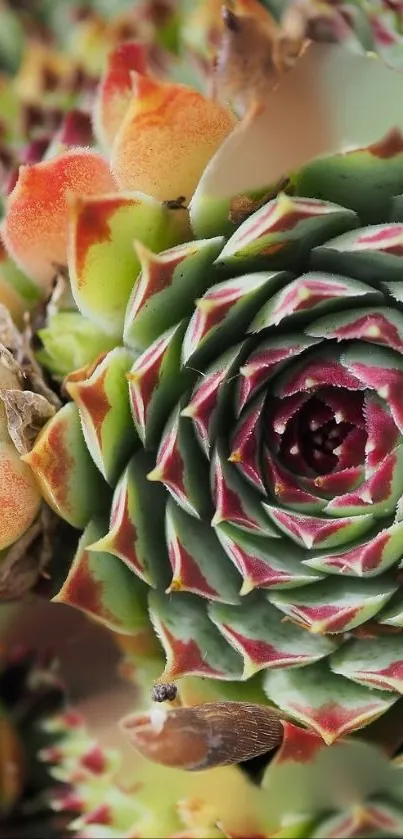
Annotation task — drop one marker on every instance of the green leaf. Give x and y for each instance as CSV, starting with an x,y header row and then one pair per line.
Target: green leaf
x,y
192,645
166,288
328,703
265,641
102,587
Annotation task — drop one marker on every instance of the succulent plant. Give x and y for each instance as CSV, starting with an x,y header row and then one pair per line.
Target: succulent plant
x,y
228,331
245,430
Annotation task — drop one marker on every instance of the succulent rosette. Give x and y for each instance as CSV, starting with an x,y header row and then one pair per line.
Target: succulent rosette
x,y
235,459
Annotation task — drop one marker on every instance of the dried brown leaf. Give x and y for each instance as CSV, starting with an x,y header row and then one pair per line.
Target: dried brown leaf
x,y
26,413
26,560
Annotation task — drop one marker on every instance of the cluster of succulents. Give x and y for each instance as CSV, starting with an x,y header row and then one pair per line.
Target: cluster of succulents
x,y
215,404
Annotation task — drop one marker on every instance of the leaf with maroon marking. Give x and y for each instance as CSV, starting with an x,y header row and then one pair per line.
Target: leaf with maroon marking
x,y
364,179
395,290
287,490
103,264
340,481
368,559
370,819
226,310
392,615
136,528
316,532
67,476
375,663
182,467
208,401
286,226
246,444
156,382
261,365
308,294
101,586
367,254
235,501
380,493
192,645
380,369
324,779
264,562
199,563
376,325
116,89
166,288
319,368
326,702
263,640
336,608
103,402
382,433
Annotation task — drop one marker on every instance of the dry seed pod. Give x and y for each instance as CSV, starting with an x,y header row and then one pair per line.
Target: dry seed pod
x,y
214,734
254,52
164,692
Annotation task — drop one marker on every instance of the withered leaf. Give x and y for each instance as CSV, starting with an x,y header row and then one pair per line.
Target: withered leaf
x,y
26,560
26,413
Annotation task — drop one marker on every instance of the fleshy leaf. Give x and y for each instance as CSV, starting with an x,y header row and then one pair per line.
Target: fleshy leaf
x,y
103,263
370,819
367,559
235,501
182,128
284,230
336,608
192,645
366,254
70,341
67,475
381,370
116,89
265,361
265,641
19,495
308,694
35,226
264,562
316,532
226,310
209,400
135,535
103,402
199,563
168,284
182,467
308,295
376,663
376,325
101,586
156,382
363,180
